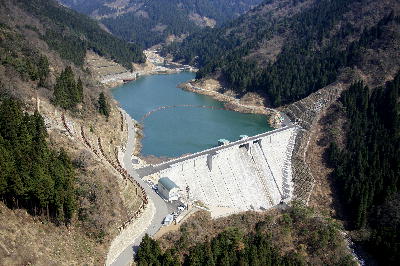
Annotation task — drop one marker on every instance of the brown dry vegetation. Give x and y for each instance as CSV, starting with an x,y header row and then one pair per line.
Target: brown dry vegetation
x,y
202,21
104,200
326,130
25,240
297,229
377,67
269,49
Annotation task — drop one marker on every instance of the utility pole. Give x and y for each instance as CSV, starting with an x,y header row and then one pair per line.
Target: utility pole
x,y
187,195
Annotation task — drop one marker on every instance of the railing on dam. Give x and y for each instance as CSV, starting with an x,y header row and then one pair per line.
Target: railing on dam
x,y
157,167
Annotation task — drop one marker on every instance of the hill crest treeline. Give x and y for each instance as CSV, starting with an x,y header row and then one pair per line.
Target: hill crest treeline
x,y
71,34
310,59
150,22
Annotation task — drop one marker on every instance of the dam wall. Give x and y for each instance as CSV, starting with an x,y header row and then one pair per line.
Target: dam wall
x,y
250,174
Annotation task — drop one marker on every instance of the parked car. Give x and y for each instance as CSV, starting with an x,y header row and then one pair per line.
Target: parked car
x,y
168,219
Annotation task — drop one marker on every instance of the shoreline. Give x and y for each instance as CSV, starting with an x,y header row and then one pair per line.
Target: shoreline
x,y
233,103
139,74
273,117
158,65
155,65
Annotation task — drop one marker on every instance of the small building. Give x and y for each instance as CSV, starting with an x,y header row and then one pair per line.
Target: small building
x,y
222,142
168,189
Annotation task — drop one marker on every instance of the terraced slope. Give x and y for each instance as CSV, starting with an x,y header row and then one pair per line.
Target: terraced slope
x,y
31,61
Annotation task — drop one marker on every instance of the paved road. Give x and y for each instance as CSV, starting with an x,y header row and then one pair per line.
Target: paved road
x,y
161,207
148,170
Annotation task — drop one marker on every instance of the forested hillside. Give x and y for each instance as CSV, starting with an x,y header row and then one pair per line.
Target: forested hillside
x,y
16,53
151,22
65,29
296,236
367,169
32,175
62,198
289,49
59,201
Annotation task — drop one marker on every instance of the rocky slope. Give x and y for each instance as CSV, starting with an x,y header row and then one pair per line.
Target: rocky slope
x,y
105,198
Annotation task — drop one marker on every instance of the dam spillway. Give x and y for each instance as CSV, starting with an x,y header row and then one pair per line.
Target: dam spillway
x,y
250,174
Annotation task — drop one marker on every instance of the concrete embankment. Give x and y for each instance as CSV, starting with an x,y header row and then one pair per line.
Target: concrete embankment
x,y
129,235
126,243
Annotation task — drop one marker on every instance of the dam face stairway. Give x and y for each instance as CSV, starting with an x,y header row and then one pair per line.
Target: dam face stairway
x,y
266,175
254,174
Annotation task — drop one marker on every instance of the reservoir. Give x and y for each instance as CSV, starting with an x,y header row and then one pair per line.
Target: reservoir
x,y
181,130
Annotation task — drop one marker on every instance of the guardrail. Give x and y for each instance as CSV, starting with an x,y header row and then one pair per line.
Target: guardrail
x,y
235,143
117,166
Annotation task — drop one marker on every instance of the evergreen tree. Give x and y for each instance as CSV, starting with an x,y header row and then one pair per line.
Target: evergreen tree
x,y
33,176
228,248
79,90
104,108
149,252
43,71
67,92
367,170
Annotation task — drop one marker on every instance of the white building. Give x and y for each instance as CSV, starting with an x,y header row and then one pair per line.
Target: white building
x,y
168,189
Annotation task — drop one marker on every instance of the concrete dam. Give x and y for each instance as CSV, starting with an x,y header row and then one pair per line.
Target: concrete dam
x,y
254,173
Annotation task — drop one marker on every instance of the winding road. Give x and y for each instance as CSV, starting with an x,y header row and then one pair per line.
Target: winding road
x,y
162,209
126,256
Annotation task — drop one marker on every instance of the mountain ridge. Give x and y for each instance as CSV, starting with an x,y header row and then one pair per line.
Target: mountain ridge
x,y
322,34
157,20
66,25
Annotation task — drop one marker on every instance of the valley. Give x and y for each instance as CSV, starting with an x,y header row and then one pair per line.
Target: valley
x,y
190,132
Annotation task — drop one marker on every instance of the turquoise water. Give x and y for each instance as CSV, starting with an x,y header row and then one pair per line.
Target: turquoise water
x,y
177,131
